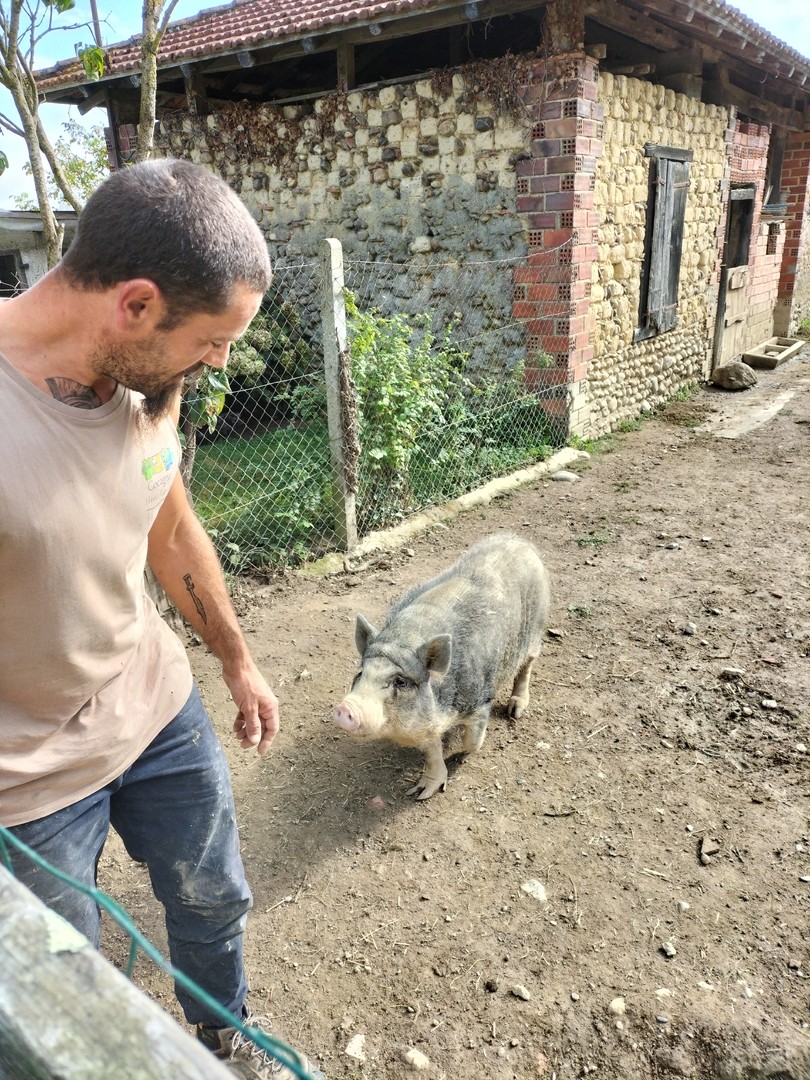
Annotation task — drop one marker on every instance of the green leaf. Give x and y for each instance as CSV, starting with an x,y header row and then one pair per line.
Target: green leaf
x,y
92,58
3,162
218,381
214,404
61,5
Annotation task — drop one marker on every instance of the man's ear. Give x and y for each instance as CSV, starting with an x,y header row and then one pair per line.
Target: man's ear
x,y
139,305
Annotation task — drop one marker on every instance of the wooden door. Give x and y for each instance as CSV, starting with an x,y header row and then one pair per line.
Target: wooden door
x,y
732,308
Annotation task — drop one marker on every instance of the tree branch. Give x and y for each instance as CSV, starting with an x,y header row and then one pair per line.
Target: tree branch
x,y
9,125
167,14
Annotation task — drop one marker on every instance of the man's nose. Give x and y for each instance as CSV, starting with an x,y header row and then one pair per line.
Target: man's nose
x,y
218,356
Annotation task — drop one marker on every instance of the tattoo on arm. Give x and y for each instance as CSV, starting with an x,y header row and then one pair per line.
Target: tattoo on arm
x,y
74,393
198,604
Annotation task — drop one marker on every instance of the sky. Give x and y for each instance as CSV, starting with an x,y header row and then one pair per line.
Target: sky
x,y
788,20
120,20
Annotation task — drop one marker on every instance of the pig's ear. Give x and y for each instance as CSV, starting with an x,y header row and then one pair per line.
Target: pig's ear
x,y
435,654
364,632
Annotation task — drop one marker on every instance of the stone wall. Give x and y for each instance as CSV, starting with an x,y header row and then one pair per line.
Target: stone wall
x,y
626,377
522,223
416,181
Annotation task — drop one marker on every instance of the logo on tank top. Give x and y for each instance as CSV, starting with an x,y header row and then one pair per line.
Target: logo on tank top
x,y
158,472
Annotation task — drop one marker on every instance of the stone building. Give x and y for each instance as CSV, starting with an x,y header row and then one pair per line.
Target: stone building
x,y
23,258
629,184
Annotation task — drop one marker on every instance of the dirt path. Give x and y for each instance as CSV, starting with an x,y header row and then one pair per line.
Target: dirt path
x,y
661,800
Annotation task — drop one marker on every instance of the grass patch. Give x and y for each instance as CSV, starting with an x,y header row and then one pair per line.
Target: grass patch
x,y
685,393
267,497
629,425
577,611
689,421
592,539
268,500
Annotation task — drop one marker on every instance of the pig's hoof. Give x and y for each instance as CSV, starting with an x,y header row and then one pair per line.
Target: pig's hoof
x,y
428,785
516,707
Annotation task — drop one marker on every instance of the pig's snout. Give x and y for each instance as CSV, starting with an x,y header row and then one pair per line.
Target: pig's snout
x,y
345,717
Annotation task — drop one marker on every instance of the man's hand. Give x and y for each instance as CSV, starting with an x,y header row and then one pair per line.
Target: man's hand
x,y
256,722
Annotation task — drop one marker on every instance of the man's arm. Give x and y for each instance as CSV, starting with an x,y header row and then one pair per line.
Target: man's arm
x,y
185,563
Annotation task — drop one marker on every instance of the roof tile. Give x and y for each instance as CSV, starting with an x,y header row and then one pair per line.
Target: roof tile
x,y
243,24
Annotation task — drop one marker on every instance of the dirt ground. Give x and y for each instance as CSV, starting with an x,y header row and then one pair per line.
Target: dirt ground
x,y
658,789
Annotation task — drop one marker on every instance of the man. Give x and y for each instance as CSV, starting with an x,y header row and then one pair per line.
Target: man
x,y
100,722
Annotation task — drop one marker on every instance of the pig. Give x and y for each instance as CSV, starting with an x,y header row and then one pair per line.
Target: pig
x,y
444,650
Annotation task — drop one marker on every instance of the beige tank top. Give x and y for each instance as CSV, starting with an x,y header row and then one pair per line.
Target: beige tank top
x,y
89,672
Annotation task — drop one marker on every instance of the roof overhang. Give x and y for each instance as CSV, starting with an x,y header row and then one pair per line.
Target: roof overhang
x,y
739,62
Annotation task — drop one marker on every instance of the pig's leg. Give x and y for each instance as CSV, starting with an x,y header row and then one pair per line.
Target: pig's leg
x,y
475,728
519,700
434,775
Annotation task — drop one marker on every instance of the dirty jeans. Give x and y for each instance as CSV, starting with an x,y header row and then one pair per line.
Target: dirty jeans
x,y
173,808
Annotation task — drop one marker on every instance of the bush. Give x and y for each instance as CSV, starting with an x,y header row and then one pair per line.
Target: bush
x,y
430,429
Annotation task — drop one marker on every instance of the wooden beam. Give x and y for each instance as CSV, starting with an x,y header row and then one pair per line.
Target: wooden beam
x,y
722,41
345,67
67,1013
564,26
95,101
639,27
195,92
718,90
680,62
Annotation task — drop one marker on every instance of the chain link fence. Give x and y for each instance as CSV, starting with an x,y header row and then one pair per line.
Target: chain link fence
x,y
434,388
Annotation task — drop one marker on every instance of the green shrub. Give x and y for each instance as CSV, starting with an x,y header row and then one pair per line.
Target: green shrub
x,y
430,429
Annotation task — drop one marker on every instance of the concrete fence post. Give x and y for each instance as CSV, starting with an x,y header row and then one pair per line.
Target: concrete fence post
x,y
341,402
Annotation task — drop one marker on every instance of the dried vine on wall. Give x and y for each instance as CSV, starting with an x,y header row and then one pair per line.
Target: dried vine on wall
x,y
499,80
249,132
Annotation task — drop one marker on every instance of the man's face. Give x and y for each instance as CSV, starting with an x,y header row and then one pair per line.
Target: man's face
x,y
157,364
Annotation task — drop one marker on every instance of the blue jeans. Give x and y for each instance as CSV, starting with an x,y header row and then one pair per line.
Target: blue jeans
x,y
173,808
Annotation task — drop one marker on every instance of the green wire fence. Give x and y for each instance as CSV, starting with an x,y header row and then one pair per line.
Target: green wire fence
x,y
270,1045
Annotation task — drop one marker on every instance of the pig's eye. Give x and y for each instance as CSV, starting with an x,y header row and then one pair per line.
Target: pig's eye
x,y
400,683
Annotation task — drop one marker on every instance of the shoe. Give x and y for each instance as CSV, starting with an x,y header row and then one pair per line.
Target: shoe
x,y
248,1060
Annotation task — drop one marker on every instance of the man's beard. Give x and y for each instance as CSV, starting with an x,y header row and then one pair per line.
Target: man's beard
x,y
127,367
155,406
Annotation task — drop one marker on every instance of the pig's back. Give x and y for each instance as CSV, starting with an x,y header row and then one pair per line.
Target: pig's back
x,y
493,602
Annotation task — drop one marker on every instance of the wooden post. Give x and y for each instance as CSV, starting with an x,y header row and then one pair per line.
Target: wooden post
x,y
341,403
67,1013
345,68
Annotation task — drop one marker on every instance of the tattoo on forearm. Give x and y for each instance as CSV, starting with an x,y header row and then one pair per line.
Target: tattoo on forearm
x,y
198,604
74,393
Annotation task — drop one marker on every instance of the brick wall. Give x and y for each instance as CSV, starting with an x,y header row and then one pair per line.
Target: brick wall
x,y
748,165
555,196
793,305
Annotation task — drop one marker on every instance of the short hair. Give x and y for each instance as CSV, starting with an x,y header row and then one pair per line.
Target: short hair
x,y
175,223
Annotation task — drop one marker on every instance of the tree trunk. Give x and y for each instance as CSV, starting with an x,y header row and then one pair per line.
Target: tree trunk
x,y
149,48
57,170
150,44
189,453
52,230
